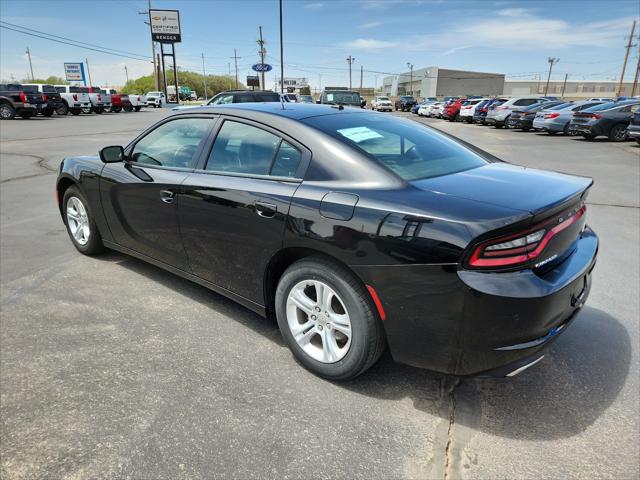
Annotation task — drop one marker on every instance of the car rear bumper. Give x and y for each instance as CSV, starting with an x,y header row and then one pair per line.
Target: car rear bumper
x,y
465,322
633,131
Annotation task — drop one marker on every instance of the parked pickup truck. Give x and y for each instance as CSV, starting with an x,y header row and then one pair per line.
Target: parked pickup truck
x,y
120,102
405,103
52,98
106,97
74,98
15,101
155,99
138,101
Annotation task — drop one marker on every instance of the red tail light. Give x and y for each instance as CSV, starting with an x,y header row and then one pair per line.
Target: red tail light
x,y
551,115
99,98
75,97
23,97
521,247
44,98
484,110
597,116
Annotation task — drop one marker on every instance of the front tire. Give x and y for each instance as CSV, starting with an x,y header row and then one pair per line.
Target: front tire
x,y
78,219
618,133
75,111
63,109
47,112
328,319
137,109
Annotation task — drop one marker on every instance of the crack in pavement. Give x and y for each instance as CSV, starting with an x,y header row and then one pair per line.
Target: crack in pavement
x,y
41,162
448,456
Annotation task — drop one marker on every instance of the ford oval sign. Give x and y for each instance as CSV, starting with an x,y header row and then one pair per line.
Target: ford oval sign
x,y
261,67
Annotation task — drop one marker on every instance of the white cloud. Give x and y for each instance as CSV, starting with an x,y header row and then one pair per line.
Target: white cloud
x,y
314,6
371,25
369,44
514,12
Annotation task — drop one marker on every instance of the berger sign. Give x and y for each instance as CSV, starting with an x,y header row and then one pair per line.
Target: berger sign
x,y
165,26
74,72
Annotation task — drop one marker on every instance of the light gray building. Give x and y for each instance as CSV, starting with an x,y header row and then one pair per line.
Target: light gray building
x,y
441,82
574,89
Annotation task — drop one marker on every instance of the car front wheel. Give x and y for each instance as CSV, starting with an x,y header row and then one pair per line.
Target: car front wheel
x,y
81,227
328,319
7,112
618,133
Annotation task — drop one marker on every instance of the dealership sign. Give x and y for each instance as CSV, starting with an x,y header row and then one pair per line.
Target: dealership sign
x,y
253,81
165,26
261,67
74,72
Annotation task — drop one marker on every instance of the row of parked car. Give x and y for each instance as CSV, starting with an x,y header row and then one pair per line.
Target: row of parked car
x,y
616,119
27,100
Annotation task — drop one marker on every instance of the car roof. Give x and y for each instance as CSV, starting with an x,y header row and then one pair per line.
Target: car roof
x,y
296,111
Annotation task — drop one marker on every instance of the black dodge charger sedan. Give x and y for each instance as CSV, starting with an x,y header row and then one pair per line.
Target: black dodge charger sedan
x,y
356,231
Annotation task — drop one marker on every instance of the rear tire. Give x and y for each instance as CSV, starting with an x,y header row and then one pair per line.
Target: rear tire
x,y
48,112
63,109
551,132
128,109
137,109
618,133
99,110
322,347
7,112
27,115
75,111
83,231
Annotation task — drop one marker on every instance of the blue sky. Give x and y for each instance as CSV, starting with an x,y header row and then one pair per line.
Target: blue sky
x,y
512,37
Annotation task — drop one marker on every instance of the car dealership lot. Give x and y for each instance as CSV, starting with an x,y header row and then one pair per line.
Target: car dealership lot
x,y
112,367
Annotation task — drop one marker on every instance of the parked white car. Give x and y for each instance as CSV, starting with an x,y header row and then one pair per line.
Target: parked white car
x,y
155,99
381,104
468,109
498,114
436,110
74,98
425,108
137,101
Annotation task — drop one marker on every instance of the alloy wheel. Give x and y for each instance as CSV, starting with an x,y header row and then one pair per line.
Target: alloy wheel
x,y
78,220
319,321
5,111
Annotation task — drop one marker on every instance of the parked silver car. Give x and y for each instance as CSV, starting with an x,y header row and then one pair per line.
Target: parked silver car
x,y
558,120
499,114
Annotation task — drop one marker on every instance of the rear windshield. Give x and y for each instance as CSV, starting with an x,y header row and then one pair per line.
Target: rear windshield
x,y
49,89
74,90
409,149
560,106
384,99
602,106
266,97
29,88
83,89
407,97
342,97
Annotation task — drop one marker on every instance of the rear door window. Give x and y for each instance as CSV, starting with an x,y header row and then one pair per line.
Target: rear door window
x,y
250,150
525,101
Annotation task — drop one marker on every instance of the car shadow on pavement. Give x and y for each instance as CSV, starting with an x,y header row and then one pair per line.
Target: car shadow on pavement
x,y
580,377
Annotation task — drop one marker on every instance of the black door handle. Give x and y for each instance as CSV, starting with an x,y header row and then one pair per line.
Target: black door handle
x,y
267,210
167,196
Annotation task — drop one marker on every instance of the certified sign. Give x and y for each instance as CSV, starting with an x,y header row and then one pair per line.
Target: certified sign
x,y
74,72
165,26
261,67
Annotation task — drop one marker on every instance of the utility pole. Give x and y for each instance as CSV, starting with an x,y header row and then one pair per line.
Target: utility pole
x,y
86,60
156,76
229,65
626,57
30,64
204,78
235,58
635,80
410,65
564,84
552,61
126,72
281,53
350,61
262,52
361,75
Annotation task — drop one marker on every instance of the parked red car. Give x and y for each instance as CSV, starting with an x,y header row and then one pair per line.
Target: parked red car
x,y
451,110
120,102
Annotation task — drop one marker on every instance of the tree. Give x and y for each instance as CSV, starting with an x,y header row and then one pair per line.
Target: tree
x,y
51,80
193,80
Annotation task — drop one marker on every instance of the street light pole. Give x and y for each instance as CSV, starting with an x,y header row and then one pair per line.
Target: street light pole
x,y
410,65
281,53
552,61
30,64
204,78
350,61
261,42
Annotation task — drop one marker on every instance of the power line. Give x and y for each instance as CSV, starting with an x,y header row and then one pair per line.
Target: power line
x,y
72,40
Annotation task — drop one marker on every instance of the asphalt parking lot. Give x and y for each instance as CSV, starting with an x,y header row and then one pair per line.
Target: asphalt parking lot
x,y
110,367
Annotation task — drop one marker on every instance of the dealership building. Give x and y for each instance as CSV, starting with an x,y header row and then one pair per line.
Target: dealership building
x,y
573,89
440,82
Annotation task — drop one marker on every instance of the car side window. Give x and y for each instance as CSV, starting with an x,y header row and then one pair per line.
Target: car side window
x,y
242,148
287,161
223,100
172,144
525,102
243,98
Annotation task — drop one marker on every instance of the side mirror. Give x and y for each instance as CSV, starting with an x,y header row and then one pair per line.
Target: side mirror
x,y
112,154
